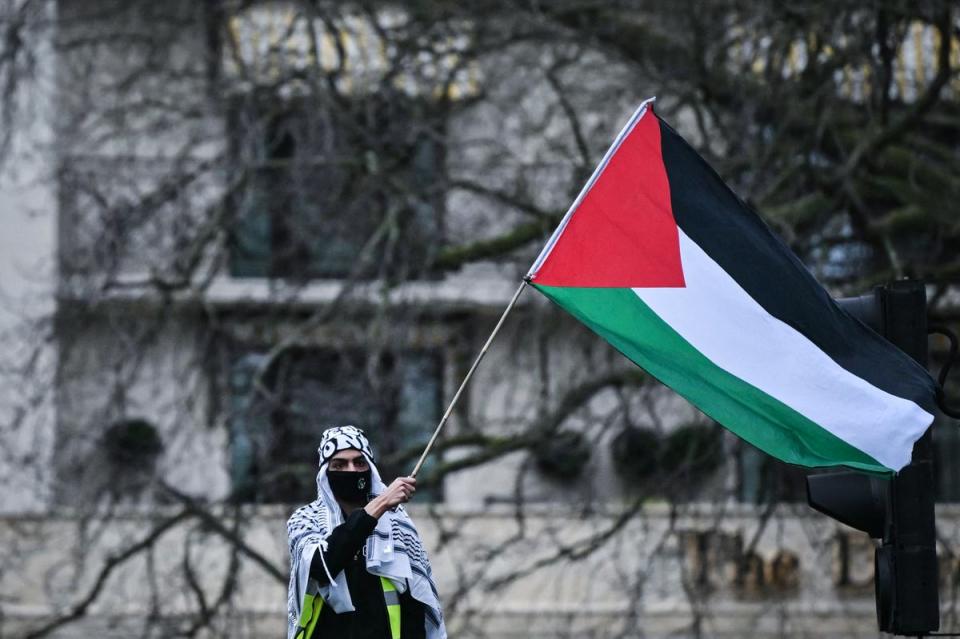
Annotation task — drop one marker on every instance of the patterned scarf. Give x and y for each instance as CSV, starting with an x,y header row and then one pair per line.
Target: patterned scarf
x,y
393,550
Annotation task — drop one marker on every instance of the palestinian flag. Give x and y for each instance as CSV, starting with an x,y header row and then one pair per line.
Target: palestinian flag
x,y
660,258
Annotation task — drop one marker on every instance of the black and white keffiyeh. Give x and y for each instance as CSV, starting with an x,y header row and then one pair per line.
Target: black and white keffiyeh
x,y
393,550
334,440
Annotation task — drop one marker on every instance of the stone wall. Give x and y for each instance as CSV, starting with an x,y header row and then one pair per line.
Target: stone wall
x,y
698,570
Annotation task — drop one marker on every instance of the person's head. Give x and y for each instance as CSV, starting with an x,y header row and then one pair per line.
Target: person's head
x,y
346,457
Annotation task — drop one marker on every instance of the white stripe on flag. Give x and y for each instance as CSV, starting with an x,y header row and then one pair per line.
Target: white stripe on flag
x,y
718,318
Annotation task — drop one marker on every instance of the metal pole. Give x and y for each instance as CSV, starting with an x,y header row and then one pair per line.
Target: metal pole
x,y
483,351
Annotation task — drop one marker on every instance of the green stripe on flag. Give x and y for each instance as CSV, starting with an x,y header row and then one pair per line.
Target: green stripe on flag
x,y
623,319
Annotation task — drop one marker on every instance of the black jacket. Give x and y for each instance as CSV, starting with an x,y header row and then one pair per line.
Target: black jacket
x,y
369,620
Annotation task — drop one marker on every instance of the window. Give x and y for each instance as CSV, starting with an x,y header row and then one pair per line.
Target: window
x,y
336,118
394,397
335,190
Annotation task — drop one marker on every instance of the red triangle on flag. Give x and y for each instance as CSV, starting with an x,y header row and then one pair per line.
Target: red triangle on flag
x,y
622,234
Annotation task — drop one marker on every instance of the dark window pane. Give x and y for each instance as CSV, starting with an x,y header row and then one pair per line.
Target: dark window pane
x,y
320,186
250,244
394,397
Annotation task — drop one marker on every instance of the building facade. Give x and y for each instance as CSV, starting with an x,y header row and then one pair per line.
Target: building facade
x,y
275,217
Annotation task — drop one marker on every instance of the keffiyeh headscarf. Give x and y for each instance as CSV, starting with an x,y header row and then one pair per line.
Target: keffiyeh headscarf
x,y
334,440
393,550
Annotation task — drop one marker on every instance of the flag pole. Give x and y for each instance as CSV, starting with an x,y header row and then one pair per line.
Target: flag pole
x,y
483,351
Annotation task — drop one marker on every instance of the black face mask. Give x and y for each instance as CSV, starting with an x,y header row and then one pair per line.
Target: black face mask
x,y
350,486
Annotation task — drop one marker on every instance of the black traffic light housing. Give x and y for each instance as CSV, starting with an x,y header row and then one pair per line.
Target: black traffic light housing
x,y
897,511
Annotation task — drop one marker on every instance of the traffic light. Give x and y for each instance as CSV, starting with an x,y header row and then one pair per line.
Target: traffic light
x,y
897,511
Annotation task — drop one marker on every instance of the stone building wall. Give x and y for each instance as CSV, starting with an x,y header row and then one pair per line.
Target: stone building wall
x,y
716,571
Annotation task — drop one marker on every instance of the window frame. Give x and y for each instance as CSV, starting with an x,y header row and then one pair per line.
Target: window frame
x,y
251,451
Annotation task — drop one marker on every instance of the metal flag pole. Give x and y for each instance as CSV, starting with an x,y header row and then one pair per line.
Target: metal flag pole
x,y
483,351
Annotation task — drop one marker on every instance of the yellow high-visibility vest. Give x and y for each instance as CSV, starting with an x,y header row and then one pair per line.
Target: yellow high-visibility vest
x,y
313,604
